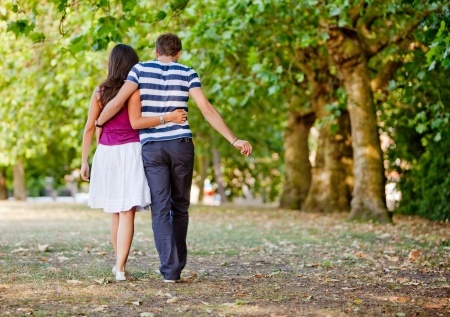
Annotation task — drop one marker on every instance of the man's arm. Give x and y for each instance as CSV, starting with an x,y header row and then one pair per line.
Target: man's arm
x,y
216,121
115,104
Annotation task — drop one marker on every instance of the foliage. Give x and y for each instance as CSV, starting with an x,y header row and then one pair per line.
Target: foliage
x,y
439,53
426,187
42,97
416,116
249,57
73,52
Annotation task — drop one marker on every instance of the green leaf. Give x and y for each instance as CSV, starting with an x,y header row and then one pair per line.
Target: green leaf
x,y
62,5
128,5
37,37
421,128
177,5
437,137
161,15
78,44
20,27
100,44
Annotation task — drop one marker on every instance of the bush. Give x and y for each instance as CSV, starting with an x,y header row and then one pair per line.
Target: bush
x,y
426,186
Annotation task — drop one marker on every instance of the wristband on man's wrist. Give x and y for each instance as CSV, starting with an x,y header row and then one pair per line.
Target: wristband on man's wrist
x,y
161,119
232,143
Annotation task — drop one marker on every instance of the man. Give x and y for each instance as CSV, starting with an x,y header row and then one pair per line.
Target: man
x,y
167,150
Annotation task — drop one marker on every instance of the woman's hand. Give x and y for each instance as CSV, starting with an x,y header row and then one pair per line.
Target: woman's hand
x,y
176,116
84,172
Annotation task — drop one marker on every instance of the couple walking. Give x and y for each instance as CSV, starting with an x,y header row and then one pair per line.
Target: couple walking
x,y
145,154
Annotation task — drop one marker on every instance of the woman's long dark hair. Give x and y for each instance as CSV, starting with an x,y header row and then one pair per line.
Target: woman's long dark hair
x,y
121,60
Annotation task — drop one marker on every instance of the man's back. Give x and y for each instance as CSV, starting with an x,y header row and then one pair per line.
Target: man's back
x,y
164,87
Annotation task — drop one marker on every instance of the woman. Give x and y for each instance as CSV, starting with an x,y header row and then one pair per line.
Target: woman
x,y
117,182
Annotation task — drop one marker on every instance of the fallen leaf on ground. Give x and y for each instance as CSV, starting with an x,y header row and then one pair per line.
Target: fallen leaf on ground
x,y
146,314
19,250
433,305
413,255
172,300
43,247
74,282
399,299
100,308
392,258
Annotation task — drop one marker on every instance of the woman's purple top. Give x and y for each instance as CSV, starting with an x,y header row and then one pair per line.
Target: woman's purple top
x,y
118,130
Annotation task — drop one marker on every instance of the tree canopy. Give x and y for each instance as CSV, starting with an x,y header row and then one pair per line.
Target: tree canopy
x,y
265,65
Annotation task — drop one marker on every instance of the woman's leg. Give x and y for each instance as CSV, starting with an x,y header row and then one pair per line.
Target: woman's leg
x,y
114,228
125,234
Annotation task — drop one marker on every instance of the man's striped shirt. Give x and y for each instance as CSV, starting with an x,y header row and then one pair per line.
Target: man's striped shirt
x,y
163,88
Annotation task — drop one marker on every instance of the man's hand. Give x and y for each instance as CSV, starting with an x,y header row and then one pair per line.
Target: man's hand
x,y
244,146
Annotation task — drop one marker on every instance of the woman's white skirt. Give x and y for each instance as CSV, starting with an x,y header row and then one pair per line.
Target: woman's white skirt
x,y
117,179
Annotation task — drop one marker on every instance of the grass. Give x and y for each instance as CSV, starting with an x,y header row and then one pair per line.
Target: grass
x,y
247,261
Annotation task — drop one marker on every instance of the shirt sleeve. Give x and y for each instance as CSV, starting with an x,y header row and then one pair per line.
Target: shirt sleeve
x,y
194,80
134,74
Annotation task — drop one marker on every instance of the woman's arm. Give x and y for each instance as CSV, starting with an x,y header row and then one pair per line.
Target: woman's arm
x,y
139,122
89,129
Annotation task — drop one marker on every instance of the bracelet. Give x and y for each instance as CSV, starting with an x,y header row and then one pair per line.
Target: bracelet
x,y
234,141
98,125
161,119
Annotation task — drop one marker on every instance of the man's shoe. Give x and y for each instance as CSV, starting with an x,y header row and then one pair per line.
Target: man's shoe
x,y
171,281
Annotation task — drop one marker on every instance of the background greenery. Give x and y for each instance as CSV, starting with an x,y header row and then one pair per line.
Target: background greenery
x,y
54,53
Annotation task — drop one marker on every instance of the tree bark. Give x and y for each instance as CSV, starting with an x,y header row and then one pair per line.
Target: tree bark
x,y
369,200
332,174
20,190
296,157
3,188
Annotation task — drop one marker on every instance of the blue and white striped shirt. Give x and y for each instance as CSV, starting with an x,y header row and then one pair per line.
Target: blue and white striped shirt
x,y
164,88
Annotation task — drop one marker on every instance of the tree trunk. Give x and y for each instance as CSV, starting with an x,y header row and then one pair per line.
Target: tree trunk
x,y
218,177
369,184
19,181
332,174
297,164
3,188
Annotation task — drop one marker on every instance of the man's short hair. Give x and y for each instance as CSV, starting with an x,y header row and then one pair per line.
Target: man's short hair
x,y
168,44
